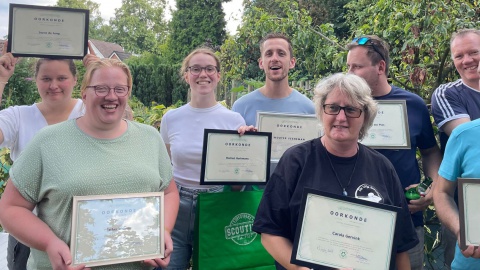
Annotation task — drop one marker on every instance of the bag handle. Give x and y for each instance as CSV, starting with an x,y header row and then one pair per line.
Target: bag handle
x,y
228,188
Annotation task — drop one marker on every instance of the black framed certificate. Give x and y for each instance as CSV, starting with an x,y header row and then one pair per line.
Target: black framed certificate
x,y
231,159
390,128
112,229
343,232
468,202
48,32
288,130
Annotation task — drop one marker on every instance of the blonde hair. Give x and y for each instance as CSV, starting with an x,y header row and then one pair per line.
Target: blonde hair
x,y
105,63
203,50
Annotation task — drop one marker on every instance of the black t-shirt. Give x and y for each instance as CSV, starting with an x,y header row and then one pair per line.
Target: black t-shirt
x,y
307,165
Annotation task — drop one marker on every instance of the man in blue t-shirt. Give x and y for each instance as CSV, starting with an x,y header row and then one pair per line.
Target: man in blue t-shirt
x,y
368,57
458,102
460,161
276,95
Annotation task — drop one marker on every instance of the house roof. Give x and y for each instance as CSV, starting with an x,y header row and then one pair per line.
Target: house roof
x,y
105,49
122,56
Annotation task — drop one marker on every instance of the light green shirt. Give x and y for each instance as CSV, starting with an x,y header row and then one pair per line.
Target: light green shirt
x,y
62,161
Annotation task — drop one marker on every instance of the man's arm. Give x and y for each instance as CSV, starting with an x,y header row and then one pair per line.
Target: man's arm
x,y
450,125
447,211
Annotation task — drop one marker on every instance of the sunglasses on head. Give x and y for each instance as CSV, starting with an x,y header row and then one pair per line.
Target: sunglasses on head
x,y
364,41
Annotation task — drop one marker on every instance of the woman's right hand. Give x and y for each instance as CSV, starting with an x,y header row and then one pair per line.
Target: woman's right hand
x,y
60,257
7,64
241,130
90,56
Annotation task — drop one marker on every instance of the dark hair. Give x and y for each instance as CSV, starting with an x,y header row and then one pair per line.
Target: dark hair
x,y
71,65
277,35
373,43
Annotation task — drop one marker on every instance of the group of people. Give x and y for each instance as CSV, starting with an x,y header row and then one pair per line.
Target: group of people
x,y
91,149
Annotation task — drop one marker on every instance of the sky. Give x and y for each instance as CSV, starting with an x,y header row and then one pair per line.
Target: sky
x,y
232,9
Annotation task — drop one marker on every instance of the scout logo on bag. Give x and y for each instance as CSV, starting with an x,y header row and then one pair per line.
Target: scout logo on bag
x,y
240,229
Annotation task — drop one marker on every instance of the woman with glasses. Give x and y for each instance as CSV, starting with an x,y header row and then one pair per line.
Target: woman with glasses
x,y
334,163
99,153
55,80
182,130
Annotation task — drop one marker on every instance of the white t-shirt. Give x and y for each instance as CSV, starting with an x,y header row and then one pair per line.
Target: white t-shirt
x,y
183,129
20,123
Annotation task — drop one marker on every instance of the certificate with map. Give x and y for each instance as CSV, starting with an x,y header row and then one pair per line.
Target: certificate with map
x,y
288,130
343,232
468,202
112,229
390,127
231,159
50,32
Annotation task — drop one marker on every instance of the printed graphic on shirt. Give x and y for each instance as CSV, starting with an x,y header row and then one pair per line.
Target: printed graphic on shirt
x,y
368,193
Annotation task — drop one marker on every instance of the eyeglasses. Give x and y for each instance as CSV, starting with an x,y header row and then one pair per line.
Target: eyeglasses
x,y
350,112
196,70
103,90
364,41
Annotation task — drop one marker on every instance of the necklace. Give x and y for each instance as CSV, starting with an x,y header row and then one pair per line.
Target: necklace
x,y
335,172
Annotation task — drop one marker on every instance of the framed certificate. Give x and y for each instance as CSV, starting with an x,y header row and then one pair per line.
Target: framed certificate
x,y
343,232
231,159
468,202
48,32
288,130
112,229
390,127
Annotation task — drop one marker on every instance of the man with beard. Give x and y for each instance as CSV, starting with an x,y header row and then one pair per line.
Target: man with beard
x,y
368,57
276,95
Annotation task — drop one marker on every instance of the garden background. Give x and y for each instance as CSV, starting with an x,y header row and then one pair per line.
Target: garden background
x,y
418,32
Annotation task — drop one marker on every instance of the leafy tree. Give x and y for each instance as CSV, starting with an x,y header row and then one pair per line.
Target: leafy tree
x,y
418,33
97,28
155,81
321,12
21,88
139,26
194,23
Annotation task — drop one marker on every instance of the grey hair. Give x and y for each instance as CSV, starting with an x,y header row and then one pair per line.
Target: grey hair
x,y
357,91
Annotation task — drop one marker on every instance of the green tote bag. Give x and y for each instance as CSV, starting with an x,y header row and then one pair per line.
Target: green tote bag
x,y
223,233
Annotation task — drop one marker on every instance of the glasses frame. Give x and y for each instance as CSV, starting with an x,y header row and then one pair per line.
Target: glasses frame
x,y
109,88
202,69
363,42
344,110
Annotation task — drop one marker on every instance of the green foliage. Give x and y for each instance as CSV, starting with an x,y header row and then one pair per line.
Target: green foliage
x,y
5,164
151,115
315,47
21,88
196,23
139,26
97,28
418,33
156,82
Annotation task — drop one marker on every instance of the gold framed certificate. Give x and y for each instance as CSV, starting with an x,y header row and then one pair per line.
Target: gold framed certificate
x,y
390,128
112,229
288,130
468,202
231,159
47,32
343,232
